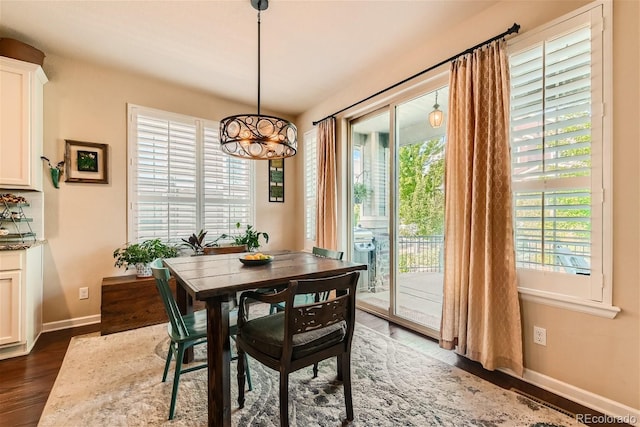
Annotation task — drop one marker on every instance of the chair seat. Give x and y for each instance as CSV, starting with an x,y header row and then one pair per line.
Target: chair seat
x,y
266,334
196,324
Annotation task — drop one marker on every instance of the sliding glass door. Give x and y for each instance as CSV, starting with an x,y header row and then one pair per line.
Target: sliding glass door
x,y
370,209
397,185
420,213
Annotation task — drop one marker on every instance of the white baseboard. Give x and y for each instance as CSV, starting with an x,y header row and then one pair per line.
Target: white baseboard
x,y
615,410
71,323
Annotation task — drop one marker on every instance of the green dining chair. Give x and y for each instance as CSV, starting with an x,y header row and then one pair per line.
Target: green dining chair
x,y
185,331
302,299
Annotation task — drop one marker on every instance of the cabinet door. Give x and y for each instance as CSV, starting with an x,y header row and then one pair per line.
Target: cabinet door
x,y
15,143
10,298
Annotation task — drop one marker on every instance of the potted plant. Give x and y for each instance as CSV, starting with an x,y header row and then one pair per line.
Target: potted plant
x,y
250,238
140,255
196,243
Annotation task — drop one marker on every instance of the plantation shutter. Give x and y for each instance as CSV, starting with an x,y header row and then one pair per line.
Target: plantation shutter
x,y
227,187
164,173
180,182
310,183
556,139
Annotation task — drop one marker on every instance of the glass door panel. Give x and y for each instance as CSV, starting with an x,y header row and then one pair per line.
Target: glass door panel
x,y
371,195
420,213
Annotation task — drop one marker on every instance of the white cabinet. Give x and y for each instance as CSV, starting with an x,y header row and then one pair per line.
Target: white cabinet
x,y
20,300
10,307
21,105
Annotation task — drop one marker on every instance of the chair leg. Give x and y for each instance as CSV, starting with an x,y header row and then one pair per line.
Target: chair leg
x,y
176,379
339,367
248,371
315,370
168,362
284,399
242,359
345,362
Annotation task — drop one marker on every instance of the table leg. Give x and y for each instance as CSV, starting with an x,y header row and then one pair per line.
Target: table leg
x,y
219,361
185,304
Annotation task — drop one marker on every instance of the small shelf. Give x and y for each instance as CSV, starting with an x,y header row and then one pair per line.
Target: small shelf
x,y
13,214
13,236
16,220
15,205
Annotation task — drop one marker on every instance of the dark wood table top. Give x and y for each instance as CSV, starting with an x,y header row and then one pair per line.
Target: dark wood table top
x,y
209,276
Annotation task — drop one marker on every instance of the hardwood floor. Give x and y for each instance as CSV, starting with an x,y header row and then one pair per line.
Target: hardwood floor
x,y
25,382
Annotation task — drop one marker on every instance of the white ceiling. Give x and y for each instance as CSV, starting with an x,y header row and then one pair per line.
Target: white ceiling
x,y
310,48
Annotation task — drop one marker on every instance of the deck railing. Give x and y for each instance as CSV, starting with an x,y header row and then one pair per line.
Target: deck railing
x,y
421,253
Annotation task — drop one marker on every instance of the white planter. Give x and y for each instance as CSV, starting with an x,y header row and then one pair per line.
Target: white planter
x,y
143,270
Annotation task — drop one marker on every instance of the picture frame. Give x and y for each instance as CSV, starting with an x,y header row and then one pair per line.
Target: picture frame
x,y
86,162
276,180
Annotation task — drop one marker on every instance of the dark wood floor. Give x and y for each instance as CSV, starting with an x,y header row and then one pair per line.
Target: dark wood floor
x,y
25,382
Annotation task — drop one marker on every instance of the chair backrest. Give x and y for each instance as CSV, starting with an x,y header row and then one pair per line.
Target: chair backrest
x,y
327,253
162,276
304,318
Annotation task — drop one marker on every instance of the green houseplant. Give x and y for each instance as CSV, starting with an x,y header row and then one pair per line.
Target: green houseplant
x,y
250,237
196,243
139,255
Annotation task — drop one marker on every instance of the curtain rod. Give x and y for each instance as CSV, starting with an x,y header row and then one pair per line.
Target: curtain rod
x,y
514,29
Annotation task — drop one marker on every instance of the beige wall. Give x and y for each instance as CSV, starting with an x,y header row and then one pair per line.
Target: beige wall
x,y
598,355
84,223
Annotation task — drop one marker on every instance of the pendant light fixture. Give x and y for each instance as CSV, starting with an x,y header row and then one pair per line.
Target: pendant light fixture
x,y
436,116
257,136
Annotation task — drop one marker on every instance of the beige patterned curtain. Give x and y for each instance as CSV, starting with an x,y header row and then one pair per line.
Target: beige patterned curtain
x,y
481,311
326,221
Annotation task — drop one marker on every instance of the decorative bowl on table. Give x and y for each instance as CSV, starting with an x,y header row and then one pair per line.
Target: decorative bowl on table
x,y
256,259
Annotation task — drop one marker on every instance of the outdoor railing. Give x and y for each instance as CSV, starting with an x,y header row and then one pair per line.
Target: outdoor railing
x,y
421,253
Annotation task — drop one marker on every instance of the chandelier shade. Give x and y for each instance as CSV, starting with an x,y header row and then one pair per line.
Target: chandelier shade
x,y
258,136
253,136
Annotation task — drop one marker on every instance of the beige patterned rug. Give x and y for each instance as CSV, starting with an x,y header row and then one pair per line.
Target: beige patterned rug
x,y
114,380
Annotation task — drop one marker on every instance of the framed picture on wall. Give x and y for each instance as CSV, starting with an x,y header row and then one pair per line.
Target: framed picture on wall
x,y
276,180
86,162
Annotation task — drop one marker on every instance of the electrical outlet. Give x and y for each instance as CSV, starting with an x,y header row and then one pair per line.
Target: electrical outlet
x,y
539,335
84,293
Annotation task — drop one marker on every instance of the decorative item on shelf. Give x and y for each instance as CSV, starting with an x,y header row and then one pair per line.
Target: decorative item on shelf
x,y
86,162
12,213
276,180
258,136
56,172
140,255
250,238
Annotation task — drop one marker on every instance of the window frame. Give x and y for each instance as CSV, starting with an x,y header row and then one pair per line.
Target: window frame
x,y
201,125
599,300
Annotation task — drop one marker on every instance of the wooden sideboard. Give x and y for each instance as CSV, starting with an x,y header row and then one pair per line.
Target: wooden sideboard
x,y
130,303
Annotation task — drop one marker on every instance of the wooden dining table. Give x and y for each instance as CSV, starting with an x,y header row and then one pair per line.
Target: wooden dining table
x,y
216,280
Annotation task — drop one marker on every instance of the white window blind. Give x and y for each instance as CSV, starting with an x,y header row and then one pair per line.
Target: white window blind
x,y
556,154
179,180
310,184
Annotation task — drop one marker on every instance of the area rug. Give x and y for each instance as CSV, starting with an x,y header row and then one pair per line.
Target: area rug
x,y
114,380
